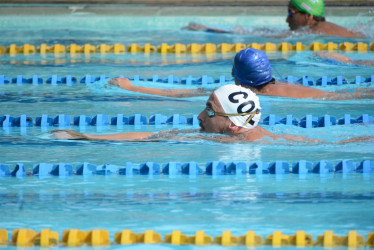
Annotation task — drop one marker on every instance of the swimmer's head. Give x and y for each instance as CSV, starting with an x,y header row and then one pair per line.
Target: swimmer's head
x,y
312,7
252,67
240,105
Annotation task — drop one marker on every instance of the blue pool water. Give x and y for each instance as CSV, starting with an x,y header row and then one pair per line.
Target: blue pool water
x,y
264,203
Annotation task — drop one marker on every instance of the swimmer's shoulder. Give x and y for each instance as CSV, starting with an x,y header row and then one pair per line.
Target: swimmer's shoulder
x,y
256,134
331,29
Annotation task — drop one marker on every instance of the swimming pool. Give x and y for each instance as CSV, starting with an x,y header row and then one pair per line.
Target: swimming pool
x,y
213,203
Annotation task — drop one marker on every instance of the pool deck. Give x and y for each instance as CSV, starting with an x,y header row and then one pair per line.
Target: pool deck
x,y
191,2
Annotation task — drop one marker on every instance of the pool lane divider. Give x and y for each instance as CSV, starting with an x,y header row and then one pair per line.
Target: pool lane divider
x,y
70,80
102,120
172,169
24,237
179,48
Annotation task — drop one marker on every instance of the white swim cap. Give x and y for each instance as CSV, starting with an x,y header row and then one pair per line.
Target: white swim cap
x,y
235,100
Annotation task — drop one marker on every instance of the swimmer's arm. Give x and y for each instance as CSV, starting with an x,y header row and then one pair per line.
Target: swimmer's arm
x,y
196,26
64,134
356,139
126,84
364,62
294,138
222,139
299,91
343,58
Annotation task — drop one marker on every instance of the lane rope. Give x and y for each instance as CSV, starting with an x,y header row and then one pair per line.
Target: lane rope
x,y
179,48
212,168
102,120
100,237
87,79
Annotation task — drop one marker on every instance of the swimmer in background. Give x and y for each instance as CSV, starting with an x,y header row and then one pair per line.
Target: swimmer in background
x,y
231,110
344,59
252,70
304,15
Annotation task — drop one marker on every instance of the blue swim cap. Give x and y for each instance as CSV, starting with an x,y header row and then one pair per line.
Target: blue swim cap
x,y
252,67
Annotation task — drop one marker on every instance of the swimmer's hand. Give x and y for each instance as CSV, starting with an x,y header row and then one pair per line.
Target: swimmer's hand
x,y
333,56
194,26
121,82
65,134
357,139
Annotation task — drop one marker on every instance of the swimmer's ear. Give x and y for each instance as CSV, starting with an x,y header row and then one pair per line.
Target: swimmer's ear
x,y
309,19
233,128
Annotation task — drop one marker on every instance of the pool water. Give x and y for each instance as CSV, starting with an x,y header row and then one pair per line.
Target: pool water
x,y
264,203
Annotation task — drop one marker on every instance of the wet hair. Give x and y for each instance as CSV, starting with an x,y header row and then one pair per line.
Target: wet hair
x,y
319,18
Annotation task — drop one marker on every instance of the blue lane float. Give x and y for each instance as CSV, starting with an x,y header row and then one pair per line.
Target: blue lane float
x,y
119,120
259,168
88,79
19,171
365,167
4,170
42,169
236,168
302,167
176,119
45,170
106,169
20,80
192,169
279,167
86,168
62,169
158,119
138,120
100,120
149,168
323,167
346,167
130,169
67,80
213,168
172,168
309,121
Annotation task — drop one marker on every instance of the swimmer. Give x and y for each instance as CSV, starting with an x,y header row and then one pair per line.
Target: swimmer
x,y
231,110
309,13
252,69
304,15
343,59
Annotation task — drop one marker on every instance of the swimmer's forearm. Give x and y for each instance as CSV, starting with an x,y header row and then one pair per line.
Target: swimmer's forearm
x,y
168,92
126,84
363,62
210,29
356,139
120,136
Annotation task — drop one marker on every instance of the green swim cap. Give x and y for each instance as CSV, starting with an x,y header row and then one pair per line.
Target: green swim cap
x,y
313,7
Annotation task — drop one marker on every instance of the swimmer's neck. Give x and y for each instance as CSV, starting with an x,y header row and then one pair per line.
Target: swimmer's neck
x,y
266,89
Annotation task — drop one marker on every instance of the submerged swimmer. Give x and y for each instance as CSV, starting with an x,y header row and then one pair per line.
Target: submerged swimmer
x,y
252,69
230,110
302,14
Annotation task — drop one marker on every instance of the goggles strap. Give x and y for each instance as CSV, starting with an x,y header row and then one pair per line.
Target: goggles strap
x,y
257,111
